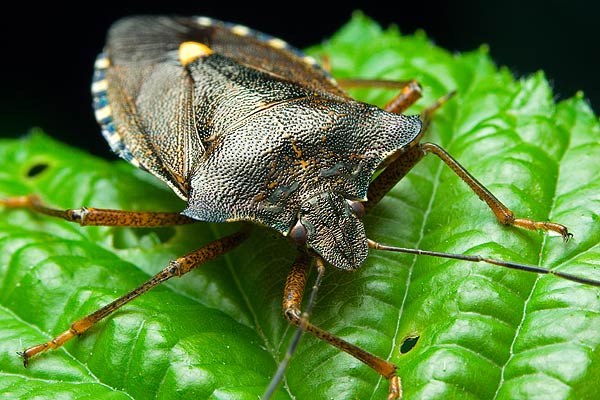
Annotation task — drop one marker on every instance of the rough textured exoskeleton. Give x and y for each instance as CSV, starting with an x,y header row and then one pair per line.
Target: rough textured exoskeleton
x,y
250,130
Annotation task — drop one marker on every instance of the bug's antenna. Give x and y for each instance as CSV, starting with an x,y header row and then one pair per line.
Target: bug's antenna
x,y
296,339
475,258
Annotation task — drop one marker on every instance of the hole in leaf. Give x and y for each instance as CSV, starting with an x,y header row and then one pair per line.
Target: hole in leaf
x,y
408,343
36,169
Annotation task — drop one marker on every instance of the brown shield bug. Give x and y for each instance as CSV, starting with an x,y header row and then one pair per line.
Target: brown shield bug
x,y
243,127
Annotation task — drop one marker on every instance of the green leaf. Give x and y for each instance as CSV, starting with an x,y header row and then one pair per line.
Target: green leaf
x,y
483,332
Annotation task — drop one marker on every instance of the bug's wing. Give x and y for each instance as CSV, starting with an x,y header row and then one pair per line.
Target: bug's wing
x,y
151,37
144,104
144,97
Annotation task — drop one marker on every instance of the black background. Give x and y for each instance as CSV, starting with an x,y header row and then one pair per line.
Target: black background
x,y
48,51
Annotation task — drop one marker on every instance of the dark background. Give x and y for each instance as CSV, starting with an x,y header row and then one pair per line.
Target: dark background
x,y
48,52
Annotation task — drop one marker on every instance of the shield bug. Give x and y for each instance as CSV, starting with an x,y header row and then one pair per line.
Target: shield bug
x,y
245,128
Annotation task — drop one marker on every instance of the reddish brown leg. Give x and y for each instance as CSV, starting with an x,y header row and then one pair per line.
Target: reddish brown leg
x,y
178,267
406,98
404,163
99,216
292,299
391,175
103,217
504,215
410,91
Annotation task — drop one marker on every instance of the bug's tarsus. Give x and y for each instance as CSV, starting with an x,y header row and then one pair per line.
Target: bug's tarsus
x,y
568,238
25,360
547,226
395,388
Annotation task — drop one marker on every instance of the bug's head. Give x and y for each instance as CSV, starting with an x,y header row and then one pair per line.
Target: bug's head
x,y
330,225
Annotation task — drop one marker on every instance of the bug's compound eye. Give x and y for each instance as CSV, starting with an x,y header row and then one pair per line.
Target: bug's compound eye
x,y
357,208
299,234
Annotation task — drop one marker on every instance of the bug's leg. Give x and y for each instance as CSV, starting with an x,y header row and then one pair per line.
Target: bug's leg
x,y
397,168
294,289
292,299
407,160
98,216
391,175
177,267
410,91
504,215
404,162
